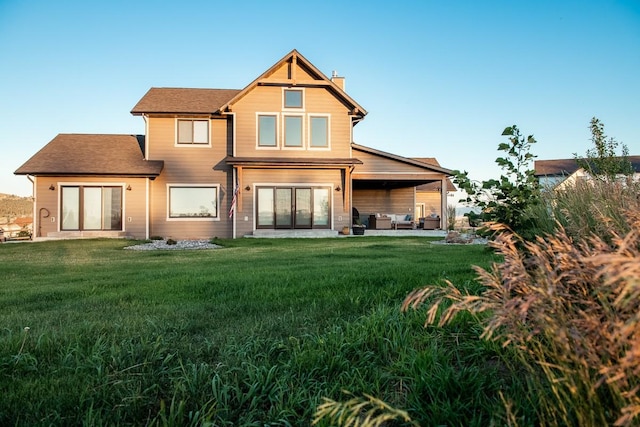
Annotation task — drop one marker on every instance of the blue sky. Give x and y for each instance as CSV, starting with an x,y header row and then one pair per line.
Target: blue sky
x,y
439,79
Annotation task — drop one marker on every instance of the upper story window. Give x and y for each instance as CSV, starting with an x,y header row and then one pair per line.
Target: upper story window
x,y
293,131
318,132
193,132
267,126
293,98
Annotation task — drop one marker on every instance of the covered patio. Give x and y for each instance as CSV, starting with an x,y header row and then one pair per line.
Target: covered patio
x,y
384,186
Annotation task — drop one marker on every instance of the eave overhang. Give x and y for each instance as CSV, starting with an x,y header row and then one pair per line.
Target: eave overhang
x,y
278,162
438,169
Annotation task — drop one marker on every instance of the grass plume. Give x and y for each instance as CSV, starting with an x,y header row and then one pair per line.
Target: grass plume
x,y
571,312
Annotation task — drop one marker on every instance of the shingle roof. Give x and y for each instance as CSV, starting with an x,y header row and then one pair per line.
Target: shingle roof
x,y
183,100
90,154
433,186
407,160
555,167
565,167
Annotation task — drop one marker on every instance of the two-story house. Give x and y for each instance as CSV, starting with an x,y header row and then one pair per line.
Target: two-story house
x,y
276,155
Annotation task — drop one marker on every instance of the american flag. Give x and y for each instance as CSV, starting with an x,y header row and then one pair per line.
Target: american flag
x,y
234,201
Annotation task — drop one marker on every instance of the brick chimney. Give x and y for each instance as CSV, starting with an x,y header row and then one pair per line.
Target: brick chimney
x,y
339,81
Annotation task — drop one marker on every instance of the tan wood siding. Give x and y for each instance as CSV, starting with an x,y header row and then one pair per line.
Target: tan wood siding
x,y
293,177
133,203
431,200
189,165
377,164
268,99
371,202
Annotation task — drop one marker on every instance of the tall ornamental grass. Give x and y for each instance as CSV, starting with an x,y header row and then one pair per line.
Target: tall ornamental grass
x,y
587,207
571,312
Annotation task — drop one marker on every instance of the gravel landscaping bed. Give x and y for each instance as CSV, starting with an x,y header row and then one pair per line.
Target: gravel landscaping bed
x,y
180,245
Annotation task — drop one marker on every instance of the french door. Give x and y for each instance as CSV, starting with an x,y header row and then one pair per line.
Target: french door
x,y
293,207
91,208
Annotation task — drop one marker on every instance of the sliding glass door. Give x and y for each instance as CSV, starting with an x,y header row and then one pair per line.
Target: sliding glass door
x,y
293,207
91,208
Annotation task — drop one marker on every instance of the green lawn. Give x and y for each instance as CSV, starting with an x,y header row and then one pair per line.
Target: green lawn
x,y
255,333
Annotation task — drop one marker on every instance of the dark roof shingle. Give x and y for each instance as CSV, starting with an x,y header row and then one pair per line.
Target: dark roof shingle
x,y
565,167
433,186
183,100
91,154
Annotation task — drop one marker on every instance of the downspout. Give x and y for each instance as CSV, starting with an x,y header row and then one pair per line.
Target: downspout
x,y
147,189
354,121
33,213
233,175
146,133
146,231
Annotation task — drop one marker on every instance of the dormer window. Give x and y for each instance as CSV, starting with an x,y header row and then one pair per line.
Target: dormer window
x,y
193,132
293,98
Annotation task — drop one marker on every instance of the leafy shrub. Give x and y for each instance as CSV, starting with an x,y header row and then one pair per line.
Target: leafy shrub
x,y
506,199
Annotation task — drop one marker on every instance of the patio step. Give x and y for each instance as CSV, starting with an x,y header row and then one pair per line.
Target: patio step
x,y
293,233
86,234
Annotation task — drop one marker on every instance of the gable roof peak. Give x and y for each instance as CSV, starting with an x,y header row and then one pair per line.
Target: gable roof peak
x,y
296,59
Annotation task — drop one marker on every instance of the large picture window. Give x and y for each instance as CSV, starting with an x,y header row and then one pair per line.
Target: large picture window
x,y
87,207
193,131
193,201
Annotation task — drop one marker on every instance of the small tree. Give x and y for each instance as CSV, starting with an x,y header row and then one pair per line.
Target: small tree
x,y
601,161
506,200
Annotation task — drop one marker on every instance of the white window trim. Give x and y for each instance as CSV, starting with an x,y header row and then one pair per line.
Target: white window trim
x,y
310,147
294,185
192,145
61,184
194,219
303,141
293,109
265,147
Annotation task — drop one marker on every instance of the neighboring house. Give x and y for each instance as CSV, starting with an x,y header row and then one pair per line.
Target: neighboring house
x,y
24,222
20,228
556,174
276,155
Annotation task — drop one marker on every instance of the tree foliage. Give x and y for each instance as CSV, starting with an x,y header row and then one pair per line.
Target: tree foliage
x,y
506,200
602,162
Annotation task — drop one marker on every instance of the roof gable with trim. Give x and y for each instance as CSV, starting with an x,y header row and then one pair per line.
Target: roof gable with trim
x,y
294,70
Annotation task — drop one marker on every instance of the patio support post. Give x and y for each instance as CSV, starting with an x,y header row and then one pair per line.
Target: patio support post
x,y
346,193
443,201
240,189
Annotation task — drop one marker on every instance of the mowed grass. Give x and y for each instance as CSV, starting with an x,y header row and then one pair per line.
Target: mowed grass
x,y
256,333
